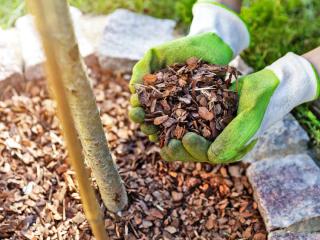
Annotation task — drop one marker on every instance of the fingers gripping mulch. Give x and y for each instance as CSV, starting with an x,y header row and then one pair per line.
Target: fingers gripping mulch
x,y
38,193
190,97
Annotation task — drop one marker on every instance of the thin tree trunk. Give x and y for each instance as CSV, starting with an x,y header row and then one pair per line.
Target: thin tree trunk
x,y
90,204
82,103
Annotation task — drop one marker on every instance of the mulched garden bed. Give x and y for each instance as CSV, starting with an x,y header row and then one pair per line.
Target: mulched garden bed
x,y
38,197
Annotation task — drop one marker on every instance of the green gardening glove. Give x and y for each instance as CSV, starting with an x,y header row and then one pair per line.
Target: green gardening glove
x,y
216,36
265,98
207,46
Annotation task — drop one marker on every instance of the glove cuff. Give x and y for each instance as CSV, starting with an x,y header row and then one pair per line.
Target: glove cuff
x,y
298,83
296,75
210,16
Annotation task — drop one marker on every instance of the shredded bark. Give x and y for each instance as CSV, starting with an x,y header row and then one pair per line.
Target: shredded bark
x,y
189,97
39,197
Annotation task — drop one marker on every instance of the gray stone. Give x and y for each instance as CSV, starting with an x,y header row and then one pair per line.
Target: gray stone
x,y
285,137
32,52
127,36
31,48
293,236
92,27
86,48
287,191
93,35
11,62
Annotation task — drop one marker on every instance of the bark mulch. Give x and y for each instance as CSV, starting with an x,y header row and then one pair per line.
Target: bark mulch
x,y
189,97
38,193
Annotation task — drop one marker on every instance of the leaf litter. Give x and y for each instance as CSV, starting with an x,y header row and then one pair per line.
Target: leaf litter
x,y
189,97
38,192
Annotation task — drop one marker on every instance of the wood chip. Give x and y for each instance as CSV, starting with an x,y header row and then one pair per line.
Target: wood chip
x,y
177,196
260,236
160,120
170,229
210,223
149,79
205,113
156,213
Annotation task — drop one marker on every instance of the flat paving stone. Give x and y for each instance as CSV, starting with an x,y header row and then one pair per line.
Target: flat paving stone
x,y
127,36
287,191
31,48
293,236
10,60
285,137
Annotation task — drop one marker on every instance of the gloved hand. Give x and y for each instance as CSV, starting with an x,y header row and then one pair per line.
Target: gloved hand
x,y
216,36
265,98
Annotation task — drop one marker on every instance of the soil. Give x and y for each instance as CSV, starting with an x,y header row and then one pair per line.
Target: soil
x,y
189,97
38,192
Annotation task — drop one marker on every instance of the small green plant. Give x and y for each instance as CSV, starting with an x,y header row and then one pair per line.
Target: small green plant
x,y
310,122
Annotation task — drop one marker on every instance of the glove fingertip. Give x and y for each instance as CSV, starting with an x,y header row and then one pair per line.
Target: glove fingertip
x,y
178,152
148,129
196,145
137,114
134,100
164,154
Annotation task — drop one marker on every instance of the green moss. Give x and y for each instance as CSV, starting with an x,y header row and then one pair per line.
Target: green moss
x,y
310,122
278,27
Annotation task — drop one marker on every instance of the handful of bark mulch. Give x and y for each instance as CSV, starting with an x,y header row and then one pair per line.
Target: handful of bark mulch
x,y
190,97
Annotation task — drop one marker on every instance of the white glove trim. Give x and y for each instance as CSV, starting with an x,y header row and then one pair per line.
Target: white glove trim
x,y
298,84
208,17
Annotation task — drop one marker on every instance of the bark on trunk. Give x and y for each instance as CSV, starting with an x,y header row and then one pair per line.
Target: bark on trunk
x,y
83,105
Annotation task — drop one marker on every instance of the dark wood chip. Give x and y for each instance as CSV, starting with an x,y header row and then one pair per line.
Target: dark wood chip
x,y
160,120
205,113
177,196
149,79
